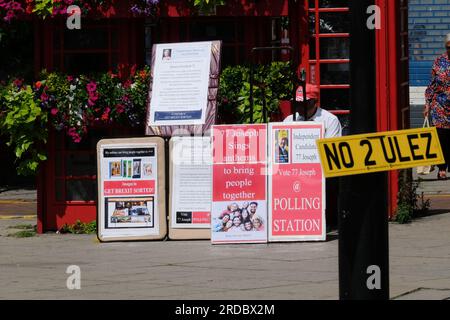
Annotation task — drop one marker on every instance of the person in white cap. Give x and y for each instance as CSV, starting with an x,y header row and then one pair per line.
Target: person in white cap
x,y
437,104
331,123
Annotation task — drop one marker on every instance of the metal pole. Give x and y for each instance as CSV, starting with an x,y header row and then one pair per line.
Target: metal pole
x,y
363,216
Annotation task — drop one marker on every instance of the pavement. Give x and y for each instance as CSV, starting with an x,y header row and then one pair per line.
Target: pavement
x,y
35,268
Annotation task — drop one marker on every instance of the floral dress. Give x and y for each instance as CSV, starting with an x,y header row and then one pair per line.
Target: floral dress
x,y
437,94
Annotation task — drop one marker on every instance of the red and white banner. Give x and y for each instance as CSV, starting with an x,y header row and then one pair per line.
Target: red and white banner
x,y
296,183
239,208
126,188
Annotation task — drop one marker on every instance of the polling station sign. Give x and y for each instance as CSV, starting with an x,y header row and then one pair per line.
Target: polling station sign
x,y
296,183
383,151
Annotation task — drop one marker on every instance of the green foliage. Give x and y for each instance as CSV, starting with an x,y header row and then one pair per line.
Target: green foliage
x,y
207,5
72,104
27,231
43,8
24,122
272,83
23,234
410,204
22,226
80,228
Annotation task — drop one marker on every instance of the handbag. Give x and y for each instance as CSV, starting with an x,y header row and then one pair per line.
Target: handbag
x,y
424,170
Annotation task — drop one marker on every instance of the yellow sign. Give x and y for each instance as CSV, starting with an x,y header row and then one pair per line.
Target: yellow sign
x,y
383,151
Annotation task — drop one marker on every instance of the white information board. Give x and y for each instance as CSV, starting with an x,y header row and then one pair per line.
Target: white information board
x,y
180,84
131,175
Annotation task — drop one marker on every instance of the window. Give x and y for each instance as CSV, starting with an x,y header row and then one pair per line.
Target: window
x,y
75,169
238,34
329,53
93,48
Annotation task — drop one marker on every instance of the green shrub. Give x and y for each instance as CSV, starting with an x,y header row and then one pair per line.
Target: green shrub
x,y
80,228
410,204
272,82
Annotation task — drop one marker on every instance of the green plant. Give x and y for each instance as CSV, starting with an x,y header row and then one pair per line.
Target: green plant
x,y
24,122
23,234
80,228
207,5
22,226
272,83
27,231
410,204
71,104
44,8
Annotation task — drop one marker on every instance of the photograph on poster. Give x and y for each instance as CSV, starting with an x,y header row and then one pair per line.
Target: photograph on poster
x,y
167,54
282,146
129,212
147,169
136,168
238,217
115,169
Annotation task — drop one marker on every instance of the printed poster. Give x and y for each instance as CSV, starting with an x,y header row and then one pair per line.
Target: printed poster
x,y
296,183
180,83
191,183
129,190
239,207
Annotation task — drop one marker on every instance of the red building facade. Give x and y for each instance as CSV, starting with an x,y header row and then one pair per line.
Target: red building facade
x,y
317,29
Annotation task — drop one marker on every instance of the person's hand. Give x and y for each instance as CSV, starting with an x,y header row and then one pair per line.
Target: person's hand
x,y
426,111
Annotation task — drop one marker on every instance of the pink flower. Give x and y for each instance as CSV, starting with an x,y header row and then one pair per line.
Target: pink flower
x,y
93,96
120,108
91,86
127,84
44,96
18,82
16,6
54,112
69,78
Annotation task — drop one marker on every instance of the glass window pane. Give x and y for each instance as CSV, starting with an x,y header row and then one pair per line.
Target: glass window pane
x,y
209,30
334,22
86,39
59,190
334,48
86,63
89,141
312,48
333,3
335,73
335,99
58,164
80,164
312,23
81,190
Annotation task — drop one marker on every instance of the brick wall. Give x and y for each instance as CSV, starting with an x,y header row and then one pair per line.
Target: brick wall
x,y
429,22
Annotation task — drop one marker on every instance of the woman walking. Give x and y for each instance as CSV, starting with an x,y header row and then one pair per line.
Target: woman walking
x,y
437,104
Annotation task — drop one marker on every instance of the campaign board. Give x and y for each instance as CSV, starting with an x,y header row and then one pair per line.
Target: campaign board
x,y
131,189
296,182
239,207
190,188
183,88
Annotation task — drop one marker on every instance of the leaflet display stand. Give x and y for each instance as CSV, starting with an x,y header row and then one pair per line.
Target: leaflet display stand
x,y
131,189
189,213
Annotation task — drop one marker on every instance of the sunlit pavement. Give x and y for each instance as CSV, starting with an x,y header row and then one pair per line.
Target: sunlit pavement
x,y
35,268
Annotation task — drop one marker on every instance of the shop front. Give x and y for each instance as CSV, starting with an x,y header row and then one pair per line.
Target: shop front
x,y
317,29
